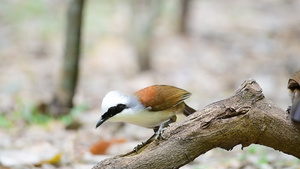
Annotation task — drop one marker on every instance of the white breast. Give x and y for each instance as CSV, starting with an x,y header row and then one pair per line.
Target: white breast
x,y
144,118
136,113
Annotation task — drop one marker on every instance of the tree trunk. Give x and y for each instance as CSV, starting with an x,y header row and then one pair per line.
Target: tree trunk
x,y
245,118
65,90
143,18
183,20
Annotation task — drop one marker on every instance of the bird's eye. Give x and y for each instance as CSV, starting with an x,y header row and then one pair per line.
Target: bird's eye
x,y
111,109
114,110
120,107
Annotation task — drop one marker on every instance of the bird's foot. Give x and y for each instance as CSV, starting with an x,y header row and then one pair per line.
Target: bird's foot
x,y
139,146
159,132
161,128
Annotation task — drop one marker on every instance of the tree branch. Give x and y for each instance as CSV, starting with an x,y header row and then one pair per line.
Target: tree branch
x,y
245,118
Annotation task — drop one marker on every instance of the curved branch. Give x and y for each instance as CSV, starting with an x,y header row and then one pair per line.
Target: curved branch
x,y
245,118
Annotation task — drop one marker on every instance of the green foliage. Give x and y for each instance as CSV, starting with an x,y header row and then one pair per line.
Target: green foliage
x,y
4,122
296,162
262,159
30,113
75,111
252,149
27,112
202,166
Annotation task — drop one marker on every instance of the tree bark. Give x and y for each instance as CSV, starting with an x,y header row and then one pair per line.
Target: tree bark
x,y
245,118
63,96
184,16
143,22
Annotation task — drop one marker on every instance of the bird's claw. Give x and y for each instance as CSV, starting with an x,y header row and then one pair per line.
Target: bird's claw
x,y
159,135
139,146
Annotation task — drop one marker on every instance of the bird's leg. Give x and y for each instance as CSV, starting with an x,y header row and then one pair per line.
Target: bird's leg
x,y
159,131
139,146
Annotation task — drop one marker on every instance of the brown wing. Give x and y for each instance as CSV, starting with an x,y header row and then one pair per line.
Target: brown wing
x,y
294,81
161,97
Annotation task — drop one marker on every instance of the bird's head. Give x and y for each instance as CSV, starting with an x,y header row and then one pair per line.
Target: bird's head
x,y
115,103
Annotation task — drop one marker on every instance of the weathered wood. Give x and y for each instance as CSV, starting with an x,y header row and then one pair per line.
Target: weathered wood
x,y
245,118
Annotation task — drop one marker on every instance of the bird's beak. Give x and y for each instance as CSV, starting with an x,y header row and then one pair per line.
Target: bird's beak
x,y
100,122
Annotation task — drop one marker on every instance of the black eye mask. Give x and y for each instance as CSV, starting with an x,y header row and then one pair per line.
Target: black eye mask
x,y
113,111
110,113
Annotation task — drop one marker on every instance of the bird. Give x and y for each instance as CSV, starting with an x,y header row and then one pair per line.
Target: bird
x,y
294,88
153,107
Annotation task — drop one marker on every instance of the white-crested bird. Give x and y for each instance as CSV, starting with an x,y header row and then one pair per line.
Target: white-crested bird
x,y
152,107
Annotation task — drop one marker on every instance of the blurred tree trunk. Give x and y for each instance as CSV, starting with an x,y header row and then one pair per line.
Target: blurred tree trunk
x,y
65,90
184,5
144,13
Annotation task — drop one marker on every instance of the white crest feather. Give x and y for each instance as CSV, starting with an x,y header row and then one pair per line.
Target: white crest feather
x,y
113,98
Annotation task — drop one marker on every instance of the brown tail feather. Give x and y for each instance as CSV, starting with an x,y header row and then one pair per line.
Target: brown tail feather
x,y
188,110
